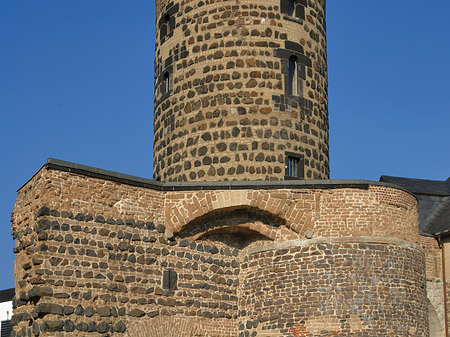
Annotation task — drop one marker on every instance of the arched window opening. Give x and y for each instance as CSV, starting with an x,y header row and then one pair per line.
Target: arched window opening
x,y
165,85
292,81
165,27
293,9
167,22
163,32
300,12
290,7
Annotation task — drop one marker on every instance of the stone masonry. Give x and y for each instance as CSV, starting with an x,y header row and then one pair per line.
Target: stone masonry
x,y
99,253
223,108
435,288
240,234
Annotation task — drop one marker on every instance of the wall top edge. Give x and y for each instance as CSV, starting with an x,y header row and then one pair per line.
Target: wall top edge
x,y
89,171
334,240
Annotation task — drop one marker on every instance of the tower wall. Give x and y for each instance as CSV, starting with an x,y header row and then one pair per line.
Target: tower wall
x,y
226,105
353,287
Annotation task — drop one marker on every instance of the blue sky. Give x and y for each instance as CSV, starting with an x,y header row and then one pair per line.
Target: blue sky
x,y
76,83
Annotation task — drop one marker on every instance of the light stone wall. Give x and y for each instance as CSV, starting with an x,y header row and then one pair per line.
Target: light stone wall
x,y
433,260
435,294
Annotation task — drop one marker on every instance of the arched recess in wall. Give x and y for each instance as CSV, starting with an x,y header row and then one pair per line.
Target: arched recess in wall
x,y
435,326
292,76
237,226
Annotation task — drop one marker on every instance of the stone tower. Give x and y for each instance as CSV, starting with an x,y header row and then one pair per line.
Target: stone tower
x,y
240,95
240,90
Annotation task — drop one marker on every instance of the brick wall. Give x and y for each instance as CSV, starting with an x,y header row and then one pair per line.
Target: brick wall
x,y
334,288
99,255
433,257
372,211
97,274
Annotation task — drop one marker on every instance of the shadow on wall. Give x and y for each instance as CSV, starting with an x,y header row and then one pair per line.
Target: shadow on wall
x,y
236,227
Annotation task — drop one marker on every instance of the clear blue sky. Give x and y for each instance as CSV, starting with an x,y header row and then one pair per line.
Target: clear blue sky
x,y
76,83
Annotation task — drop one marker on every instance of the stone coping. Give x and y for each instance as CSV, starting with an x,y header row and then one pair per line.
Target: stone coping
x,y
332,240
89,171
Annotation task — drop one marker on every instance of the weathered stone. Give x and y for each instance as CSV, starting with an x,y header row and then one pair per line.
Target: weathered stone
x,y
99,219
68,310
79,310
42,212
92,327
40,292
120,327
136,313
82,326
49,308
52,326
251,83
17,318
103,311
35,329
89,312
184,243
69,326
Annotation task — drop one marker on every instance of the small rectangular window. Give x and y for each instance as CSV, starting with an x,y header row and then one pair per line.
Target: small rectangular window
x,y
294,168
170,279
6,328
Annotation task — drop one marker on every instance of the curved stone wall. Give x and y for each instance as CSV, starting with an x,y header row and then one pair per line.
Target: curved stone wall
x,y
227,106
328,209
351,287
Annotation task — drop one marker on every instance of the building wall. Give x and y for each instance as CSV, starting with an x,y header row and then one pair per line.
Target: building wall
x,y
435,288
91,255
6,310
446,247
332,287
222,106
91,271
377,211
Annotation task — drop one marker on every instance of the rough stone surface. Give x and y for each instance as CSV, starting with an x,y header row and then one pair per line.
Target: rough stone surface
x,y
110,255
225,245
221,78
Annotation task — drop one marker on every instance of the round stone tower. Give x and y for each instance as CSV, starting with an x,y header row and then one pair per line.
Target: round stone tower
x,y
240,90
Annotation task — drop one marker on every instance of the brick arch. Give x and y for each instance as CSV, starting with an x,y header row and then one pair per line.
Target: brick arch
x,y
234,219
257,227
183,208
